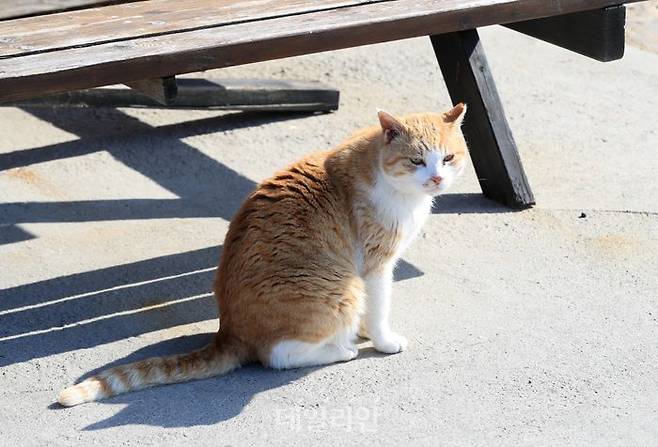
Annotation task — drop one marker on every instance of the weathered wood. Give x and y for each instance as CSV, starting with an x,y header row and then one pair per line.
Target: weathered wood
x,y
598,34
229,94
144,19
161,90
24,76
492,147
28,8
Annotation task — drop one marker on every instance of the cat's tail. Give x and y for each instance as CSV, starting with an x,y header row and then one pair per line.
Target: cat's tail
x,y
215,359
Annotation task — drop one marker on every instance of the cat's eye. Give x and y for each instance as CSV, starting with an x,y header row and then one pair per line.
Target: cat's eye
x,y
448,158
417,161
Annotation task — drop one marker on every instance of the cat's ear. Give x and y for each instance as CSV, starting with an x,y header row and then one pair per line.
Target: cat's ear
x,y
455,116
391,126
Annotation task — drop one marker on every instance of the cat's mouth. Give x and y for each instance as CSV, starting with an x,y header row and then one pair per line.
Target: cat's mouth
x,y
433,189
433,192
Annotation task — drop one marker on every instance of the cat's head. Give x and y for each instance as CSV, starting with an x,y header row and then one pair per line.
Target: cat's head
x,y
422,153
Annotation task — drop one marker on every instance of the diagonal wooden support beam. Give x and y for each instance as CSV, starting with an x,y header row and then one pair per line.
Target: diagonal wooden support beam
x,y
598,34
492,147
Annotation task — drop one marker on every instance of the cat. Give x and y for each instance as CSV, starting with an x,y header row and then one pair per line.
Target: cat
x,y
308,259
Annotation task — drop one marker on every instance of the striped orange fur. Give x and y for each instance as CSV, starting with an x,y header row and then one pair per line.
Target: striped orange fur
x,y
309,255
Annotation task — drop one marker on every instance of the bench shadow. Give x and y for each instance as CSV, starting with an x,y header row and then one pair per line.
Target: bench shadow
x,y
91,308
203,186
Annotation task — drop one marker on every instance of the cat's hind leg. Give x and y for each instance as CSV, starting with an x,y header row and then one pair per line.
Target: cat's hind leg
x,y
297,354
324,329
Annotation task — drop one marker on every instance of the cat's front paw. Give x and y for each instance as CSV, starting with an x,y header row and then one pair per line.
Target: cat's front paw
x,y
390,343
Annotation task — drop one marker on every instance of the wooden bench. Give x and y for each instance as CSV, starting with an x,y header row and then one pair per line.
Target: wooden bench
x,y
145,44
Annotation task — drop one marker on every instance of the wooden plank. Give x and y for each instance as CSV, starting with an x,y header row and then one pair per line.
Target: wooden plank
x,y
161,90
29,8
144,19
598,34
229,94
492,147
241,43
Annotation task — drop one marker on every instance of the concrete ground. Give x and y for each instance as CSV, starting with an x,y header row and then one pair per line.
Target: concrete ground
x,y
535,328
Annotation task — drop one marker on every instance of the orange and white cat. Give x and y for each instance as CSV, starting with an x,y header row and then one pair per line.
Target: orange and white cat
x,y
308,259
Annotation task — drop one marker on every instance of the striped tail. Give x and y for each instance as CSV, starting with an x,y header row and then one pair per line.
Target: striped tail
x,y
213,360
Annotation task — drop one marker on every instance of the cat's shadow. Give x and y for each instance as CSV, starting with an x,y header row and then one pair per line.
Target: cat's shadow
x,y
203,402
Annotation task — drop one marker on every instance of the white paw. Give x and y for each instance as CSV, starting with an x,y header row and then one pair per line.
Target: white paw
x,y
353,352
347,353
390,343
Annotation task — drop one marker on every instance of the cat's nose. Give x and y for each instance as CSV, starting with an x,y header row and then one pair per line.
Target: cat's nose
x,y
437,179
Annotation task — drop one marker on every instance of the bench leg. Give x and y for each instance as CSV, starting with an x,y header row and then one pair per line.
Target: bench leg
x,y
492,147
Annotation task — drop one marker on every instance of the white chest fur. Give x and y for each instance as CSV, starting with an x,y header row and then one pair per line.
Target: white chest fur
x,y
404,212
